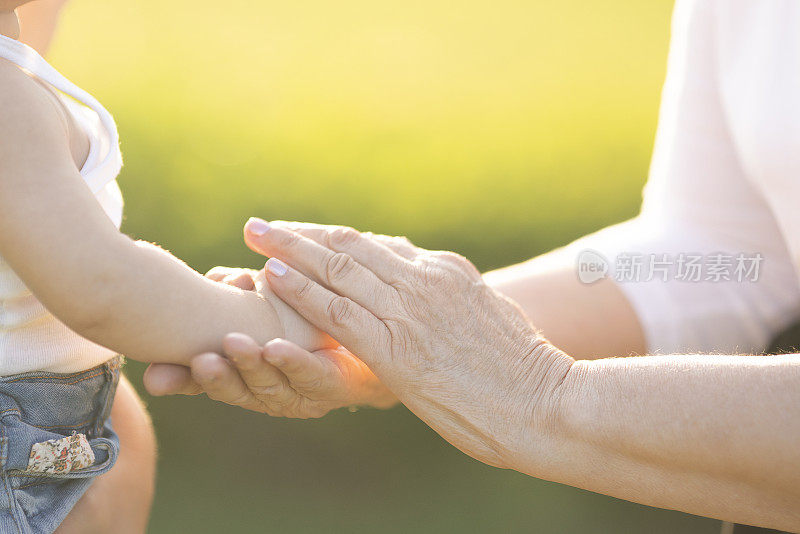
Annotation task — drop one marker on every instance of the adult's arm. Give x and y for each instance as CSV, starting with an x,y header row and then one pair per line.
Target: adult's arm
x,y
587,321
709,435
700,200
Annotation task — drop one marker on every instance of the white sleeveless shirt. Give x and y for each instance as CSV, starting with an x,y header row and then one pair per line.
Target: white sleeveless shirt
x,y
32,339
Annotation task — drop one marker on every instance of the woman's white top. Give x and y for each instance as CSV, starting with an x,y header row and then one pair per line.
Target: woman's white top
x,y
31,339
724,184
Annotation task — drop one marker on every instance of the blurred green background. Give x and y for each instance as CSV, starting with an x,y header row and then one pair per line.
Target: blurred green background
x,y
497,129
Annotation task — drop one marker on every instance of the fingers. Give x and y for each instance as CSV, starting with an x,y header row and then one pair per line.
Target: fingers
x,y
458,261
262,378
237,277
400,245
337,270
308,374
219,272
220,381
315,232
320,233
168,379
277,240
242,280
355,327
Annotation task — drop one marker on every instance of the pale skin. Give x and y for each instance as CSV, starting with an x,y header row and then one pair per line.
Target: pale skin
x,y
129,296
683,432
711,435
119,500
135,298
586,321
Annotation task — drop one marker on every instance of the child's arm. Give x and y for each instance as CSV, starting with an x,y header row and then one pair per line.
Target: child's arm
x,y
131,297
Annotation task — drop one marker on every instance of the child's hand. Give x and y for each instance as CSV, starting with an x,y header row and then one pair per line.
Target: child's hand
x,y
295,327
281,379
234,276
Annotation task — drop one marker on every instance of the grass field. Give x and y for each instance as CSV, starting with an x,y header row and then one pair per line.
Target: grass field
x,y
497,129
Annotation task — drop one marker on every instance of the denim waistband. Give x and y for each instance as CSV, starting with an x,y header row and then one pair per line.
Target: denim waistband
x,y
43,409
56,402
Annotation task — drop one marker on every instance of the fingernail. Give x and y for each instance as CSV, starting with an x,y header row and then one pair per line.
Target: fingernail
x,y
276,267
256,226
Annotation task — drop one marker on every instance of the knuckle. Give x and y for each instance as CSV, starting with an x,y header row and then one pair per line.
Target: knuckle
x,y
456,260
288,239
433,275
397,243
342,237
403,241
454,257
452,268
338,267
304,290
340,310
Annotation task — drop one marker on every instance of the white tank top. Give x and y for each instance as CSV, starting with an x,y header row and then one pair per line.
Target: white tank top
x,y
31,339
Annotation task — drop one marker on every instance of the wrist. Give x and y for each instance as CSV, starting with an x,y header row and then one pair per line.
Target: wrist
x,y
540,400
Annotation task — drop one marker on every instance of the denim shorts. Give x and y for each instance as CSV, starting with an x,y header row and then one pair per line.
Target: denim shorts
x,y
55,437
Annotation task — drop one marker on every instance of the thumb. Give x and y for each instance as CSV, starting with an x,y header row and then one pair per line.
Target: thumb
x,y
169,379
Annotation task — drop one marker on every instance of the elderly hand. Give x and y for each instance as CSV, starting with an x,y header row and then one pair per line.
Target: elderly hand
x,y
279,379
460,355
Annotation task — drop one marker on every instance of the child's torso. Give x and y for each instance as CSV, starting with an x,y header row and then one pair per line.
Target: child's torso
x,y
31,339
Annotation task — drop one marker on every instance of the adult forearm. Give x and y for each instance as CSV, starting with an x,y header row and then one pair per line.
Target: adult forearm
x,y
587,321
710,435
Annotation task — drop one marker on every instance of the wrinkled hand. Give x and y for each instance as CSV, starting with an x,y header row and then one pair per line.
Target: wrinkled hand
x,y
460,355
279,379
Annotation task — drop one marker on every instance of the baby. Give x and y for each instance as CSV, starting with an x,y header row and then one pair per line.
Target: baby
x,y
75,293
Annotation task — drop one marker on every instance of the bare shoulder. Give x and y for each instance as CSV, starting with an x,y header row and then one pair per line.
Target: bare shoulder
x,y
31,120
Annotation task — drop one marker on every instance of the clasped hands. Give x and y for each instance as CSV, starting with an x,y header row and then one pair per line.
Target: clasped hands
x,y
426,328
280,379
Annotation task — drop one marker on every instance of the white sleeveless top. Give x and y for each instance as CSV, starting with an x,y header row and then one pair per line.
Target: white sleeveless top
x,y
31,339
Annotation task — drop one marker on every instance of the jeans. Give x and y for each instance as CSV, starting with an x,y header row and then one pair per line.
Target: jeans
x,y
55,437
